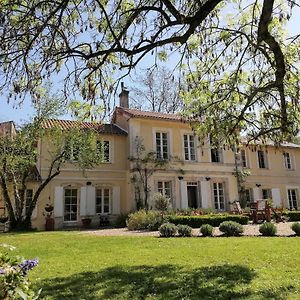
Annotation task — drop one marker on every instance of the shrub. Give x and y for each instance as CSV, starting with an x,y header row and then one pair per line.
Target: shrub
x,y
293,216
184,230
14,283
120,221
143,219
268,229
213,220
167,230
231,228
161,202
206,230
296,228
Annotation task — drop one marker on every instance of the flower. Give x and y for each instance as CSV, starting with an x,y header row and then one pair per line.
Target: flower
x,y
28,265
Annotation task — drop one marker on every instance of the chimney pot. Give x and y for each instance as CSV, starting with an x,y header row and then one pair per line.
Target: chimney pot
x,y
124,99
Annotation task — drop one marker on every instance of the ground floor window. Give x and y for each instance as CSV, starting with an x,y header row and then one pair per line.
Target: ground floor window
x,y
293,198
266,194
248,196
70,204
28,199
219,195
103,201
164,187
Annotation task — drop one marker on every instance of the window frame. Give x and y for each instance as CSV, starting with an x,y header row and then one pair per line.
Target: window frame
x,y
262,162
159,147
287,161
244,158
162,190
189,147
106,156
64,203
268,192
216,196
102,200
291,201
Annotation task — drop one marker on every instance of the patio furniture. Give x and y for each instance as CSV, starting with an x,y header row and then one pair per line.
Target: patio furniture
x,y
260,211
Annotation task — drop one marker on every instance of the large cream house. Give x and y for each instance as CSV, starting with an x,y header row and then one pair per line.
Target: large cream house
x,y
197,176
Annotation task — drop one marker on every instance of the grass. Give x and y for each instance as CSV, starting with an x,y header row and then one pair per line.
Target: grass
x,y
78,266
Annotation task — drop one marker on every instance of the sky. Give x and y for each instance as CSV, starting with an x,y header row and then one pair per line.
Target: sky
x,y
24,112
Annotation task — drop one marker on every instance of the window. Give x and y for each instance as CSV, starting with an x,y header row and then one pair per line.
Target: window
x,y
28,199
189,147
287,161
103,201
164,187
216,155
293,198
162,151
248,194
266,194
262,159
103,150
243,158
70,205
219,195
72,150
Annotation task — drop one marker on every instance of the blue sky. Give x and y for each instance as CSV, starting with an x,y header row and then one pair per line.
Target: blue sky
x,y
24,112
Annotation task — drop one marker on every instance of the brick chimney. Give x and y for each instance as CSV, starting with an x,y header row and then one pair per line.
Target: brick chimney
x,y
124,99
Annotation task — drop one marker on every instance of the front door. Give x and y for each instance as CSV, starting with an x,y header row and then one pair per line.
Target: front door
x,y
192,196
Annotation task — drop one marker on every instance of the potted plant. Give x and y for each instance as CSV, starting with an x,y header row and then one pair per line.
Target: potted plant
x,y
49,225
86,221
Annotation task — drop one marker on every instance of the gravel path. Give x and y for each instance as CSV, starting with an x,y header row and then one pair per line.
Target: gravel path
x,y
283,229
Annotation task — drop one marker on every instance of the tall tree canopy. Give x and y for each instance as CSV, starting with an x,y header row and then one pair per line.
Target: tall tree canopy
x,y
242,58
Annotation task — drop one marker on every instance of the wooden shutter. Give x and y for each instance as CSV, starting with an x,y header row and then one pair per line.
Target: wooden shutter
x,y
205,194
91,200
58,201
184,196
83,205
276,197
116,203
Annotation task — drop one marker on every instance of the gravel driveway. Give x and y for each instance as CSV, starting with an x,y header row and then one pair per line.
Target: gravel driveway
x,y
283,229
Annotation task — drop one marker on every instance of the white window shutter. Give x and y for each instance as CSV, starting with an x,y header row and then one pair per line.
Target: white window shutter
x,y
116,200
256,194
58,201
276,197
184,196
83,204
34,212
205,194
91,200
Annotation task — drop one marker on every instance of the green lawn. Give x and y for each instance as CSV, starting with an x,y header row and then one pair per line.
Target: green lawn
x,y
76,266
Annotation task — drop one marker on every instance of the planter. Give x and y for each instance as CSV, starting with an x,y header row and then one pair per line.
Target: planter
x,y
49,225
86,222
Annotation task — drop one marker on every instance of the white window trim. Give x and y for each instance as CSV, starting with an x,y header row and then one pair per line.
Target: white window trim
x,y
183,133
266,158
78,201
221,153
291,159
170,139
291,187
247,159
213,195
110,200
110,149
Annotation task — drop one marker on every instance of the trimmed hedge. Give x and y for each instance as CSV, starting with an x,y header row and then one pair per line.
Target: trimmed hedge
x,y
293,216
213,220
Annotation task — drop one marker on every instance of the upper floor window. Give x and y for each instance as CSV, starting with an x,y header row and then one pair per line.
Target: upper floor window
x,y
189,147
262,159
243,158
287,161
165,188
103,150
72,150
162,147
216,155
103,201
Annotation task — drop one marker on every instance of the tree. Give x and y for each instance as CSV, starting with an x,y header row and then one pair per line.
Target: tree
x,y
144,165
18,158
244,58
159,90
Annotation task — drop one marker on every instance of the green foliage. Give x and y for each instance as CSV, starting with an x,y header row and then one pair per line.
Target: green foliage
x,y
167,230
293,216
268,229
296,228
161,202
231,228
206,230
121,221
14,283
143,219
184,230
213,220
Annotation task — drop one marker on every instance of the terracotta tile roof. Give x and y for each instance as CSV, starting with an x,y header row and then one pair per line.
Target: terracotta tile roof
x,y
269,143
136,113
100,127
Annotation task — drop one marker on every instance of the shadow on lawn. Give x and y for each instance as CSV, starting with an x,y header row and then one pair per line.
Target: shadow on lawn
x,y
159,282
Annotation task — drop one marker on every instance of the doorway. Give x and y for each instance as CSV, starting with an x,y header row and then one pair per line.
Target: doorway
x,y
192,193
